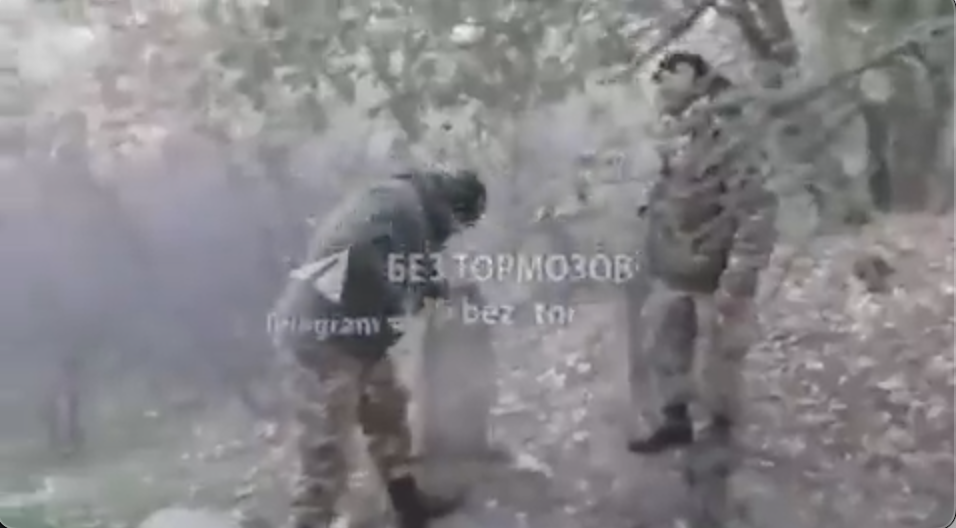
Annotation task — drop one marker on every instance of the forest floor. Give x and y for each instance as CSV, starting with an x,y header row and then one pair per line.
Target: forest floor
x,y
852,402
851,421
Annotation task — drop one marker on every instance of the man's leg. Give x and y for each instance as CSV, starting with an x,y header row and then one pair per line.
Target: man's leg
x,y
719,371
383,415
674,329
325,386
719,380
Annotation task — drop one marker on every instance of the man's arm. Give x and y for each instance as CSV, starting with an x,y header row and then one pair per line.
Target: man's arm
x,y
407,294
394,291
754,208
436,284
424,256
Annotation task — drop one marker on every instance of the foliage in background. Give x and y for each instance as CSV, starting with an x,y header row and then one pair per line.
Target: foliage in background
x,y
901,99
99,83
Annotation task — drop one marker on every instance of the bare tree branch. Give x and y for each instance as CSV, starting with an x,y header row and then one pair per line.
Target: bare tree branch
x,y
741,13
676,28
779,102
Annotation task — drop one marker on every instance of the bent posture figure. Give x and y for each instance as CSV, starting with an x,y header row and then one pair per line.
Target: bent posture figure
x,y
335,322
710,231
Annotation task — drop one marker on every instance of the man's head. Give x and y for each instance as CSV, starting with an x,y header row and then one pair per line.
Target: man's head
x,y
466,195
458,196
681,77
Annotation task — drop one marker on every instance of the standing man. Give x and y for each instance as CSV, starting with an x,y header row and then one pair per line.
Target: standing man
x,y
335,322
710,232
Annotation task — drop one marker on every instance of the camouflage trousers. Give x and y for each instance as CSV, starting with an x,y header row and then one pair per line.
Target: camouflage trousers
x,y
333,391
697,354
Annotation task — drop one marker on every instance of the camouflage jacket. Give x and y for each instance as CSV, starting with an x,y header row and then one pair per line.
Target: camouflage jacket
x,y
405,215
710,217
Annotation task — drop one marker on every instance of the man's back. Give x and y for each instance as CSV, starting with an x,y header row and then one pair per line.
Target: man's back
x,y
402,216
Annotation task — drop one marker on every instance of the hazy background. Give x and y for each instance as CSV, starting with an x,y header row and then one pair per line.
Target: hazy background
x,y
162,162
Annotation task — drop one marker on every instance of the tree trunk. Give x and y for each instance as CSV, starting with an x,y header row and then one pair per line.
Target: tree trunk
x,y
904,138
945,189
67,436
913,138
877,170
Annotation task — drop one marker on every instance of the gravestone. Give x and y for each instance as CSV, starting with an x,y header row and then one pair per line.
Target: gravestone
x,y
458,373
455,391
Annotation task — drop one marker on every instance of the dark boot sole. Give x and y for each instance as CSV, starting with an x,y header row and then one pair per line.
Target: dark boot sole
x,y
657,444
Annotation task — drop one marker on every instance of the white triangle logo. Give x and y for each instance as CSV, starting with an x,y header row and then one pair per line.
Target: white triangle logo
x,y
327,275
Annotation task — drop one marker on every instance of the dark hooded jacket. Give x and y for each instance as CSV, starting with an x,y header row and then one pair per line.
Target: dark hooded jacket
x,y
407,215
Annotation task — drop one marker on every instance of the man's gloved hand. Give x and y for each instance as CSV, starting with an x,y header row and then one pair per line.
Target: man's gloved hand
x,y
429,293
436,289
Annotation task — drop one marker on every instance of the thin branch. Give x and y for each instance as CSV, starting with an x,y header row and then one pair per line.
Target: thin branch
x,y
741,13
677,28
782,100
821,141
779,103
674,31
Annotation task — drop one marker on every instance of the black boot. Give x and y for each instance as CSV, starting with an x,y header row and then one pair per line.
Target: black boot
x,y
415,509
677,430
